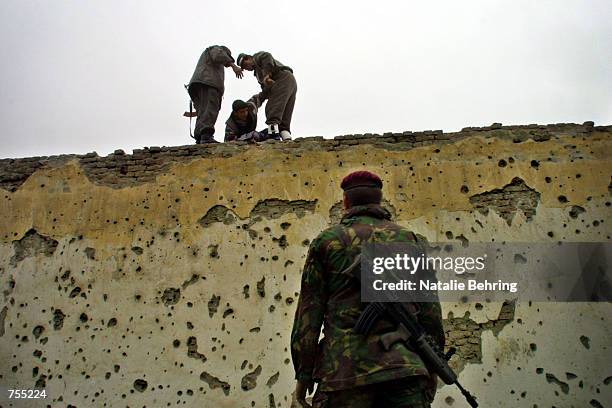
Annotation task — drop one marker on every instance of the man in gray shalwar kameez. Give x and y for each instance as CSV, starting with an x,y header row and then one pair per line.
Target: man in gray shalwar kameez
x,y
278,86
206,89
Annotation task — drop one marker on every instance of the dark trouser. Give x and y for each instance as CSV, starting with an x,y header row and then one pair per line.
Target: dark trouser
x,y
207,102
409,392
281,100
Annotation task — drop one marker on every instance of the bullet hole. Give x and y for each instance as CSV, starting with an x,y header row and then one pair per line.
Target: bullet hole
x,y
449,400
306,242
289,300
213,251
38,330
194,279
255,330
519,259
245,291
586,342
464,241
282,241
75,292
478,306
465,189
140,385
107,375
535,164
213,382
596,404
213,305
90,253
112,322
550,234
562,199
261,287
554,380
533,347
539,370
272,380
41,382
228,312
192,349
83,318
58,319
249,381
449,235
575,211
570,376
189,326
285,225
171,296
137,250
502,163
547,179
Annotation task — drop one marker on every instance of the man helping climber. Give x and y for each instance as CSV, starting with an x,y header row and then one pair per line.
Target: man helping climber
x,y
206,89
278,87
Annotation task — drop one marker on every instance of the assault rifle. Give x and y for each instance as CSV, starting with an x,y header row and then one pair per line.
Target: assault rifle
x,y
408,330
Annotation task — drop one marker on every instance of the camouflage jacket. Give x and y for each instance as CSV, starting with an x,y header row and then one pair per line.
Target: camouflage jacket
x,y
344,359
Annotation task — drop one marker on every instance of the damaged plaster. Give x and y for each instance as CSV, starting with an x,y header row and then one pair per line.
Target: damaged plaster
x,y
175,280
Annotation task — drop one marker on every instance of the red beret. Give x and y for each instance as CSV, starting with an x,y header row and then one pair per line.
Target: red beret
x,y
361,179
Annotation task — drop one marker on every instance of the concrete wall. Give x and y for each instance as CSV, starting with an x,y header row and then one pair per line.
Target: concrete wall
x,y
170,276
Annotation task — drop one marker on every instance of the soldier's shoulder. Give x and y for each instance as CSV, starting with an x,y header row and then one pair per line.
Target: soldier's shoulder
x,y
329,234
403,233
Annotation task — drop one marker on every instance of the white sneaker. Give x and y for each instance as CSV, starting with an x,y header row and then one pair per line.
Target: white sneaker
x,y
273,129
285,135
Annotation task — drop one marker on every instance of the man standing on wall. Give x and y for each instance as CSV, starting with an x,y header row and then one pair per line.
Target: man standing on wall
x,y
355,370
206,89
278,86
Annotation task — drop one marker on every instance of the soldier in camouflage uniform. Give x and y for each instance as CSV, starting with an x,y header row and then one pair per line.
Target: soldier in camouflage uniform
x,y
354,370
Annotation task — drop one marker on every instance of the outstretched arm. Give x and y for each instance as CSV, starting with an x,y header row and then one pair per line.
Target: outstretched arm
x,y
221,55
237,70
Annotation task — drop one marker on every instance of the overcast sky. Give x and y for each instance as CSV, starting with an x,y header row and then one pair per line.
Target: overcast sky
x,y
81,76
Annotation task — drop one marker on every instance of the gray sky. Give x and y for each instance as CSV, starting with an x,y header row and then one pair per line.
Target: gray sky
x,y
80,76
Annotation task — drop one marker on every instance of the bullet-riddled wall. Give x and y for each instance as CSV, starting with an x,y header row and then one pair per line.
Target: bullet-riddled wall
x,y
170,277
